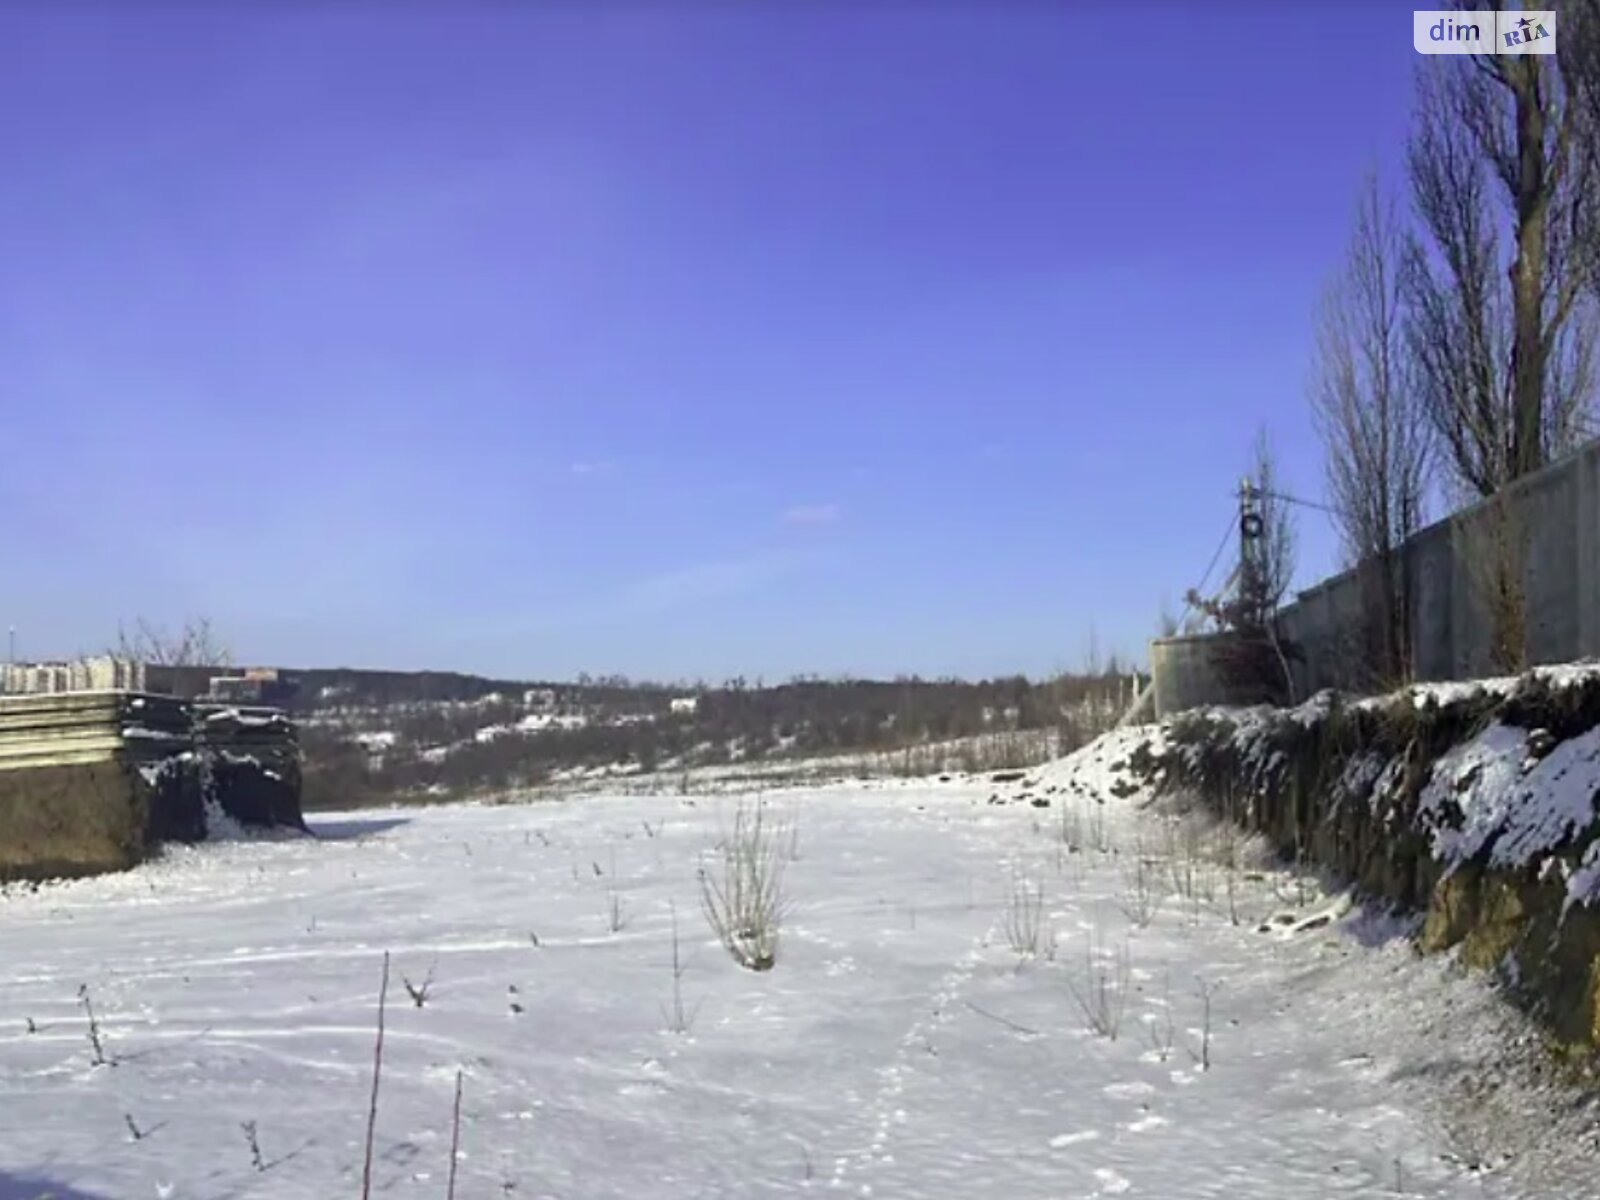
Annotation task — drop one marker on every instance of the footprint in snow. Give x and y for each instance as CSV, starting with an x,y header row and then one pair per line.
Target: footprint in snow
x,y
642,1087
1072,1139
1128,1090
1111,1184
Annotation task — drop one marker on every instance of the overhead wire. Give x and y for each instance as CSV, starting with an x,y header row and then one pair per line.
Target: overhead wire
x,y
1288,499
1228,532
1188,603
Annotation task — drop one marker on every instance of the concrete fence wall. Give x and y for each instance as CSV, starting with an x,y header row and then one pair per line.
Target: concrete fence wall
x,y
1554,520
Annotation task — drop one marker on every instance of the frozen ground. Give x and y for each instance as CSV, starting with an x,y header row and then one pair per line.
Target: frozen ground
x,y
899,1049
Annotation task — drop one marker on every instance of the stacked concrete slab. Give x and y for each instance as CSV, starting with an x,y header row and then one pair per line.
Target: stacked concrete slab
x,y
254,762
94,781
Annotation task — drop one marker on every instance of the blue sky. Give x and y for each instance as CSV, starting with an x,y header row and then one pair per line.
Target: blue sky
x,y
676,339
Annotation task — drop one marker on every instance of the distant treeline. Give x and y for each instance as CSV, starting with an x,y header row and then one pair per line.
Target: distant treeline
x,y
455,735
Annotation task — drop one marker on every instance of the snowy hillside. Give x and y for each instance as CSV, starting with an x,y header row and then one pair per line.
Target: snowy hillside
x,y
1034,988
389,750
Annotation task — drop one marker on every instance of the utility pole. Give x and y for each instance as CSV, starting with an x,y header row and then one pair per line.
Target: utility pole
x,y
1251,528
1256,601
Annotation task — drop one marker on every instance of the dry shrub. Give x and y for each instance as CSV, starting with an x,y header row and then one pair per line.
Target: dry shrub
x,y
742,889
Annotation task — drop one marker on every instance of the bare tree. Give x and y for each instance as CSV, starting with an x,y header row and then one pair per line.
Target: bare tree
x,y
1502,291
1373,429
1578,55
1278,550
195,644
1501,168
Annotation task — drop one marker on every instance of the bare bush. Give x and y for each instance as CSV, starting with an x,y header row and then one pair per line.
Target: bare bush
x,y
1027,926
96,1040
1160,1029
616,912
1191,853
419,992
1099,833
1202,1054
1187,859
1231,875
1102,994
742,890
1072,826
1141,898
679,1018
1227,842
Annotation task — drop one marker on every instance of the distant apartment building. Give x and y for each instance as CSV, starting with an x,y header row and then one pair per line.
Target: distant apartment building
x,y
257,685
33,678
236,689
97,674
685,706
106,672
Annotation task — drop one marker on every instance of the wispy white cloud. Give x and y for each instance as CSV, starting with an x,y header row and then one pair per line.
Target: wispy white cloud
x,y
674,588
813,514
700,582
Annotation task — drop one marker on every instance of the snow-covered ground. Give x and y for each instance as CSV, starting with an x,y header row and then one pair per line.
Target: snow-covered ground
x,y
900,1048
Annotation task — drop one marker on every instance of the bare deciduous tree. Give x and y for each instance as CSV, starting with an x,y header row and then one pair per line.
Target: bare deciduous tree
x,y
1578,54
1279,548
1501,168
1579,58
1373,429
195,644
1502,291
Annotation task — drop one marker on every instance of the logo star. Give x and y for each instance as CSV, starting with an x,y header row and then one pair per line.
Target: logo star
x,y
1524,22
